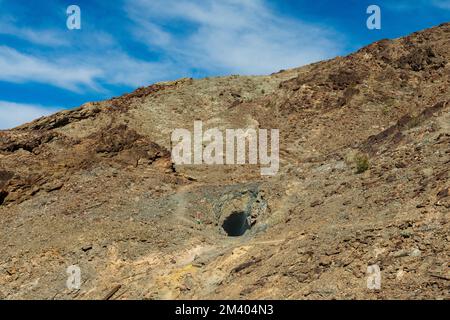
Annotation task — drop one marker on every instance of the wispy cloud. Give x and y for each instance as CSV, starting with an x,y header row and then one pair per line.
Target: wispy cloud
x,y
223,37
18,67
14,114
78,61
229,36
77,72
46,37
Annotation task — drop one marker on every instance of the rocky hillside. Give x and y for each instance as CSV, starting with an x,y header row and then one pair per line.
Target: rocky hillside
x,y
364,179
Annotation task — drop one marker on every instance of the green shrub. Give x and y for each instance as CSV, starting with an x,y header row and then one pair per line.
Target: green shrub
x,y
414,122
361,163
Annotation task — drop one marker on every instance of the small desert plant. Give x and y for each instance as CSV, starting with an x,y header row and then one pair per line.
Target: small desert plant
x,y
414,122
361,162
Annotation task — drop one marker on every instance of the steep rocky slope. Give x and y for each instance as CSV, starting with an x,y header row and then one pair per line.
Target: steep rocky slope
x,y
364,179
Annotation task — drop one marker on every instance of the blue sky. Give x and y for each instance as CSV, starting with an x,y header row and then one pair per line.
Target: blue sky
x,y
124,44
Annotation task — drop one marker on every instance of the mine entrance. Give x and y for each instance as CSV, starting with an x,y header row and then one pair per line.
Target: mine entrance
x,y
3,195
236,224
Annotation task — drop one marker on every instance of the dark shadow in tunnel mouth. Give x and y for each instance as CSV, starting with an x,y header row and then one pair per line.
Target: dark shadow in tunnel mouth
x,y
3,195
236,224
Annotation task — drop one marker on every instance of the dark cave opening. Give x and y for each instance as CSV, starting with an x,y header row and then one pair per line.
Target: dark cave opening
x,y
236,224
3,195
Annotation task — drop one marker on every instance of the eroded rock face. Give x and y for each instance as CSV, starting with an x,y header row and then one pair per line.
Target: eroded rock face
x,y
49,159
95,186
422,58
5,177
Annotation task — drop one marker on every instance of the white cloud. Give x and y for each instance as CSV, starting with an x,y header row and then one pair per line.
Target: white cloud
x,y
18,67
121,69
41,37
78,60
229,36
80,70
15,114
